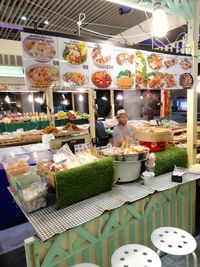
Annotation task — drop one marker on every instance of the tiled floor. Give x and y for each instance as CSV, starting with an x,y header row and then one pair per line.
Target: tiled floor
x,y
13,254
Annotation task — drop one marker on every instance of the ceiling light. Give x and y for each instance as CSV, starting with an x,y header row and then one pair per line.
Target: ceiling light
x,y
104,98
46,22
119,97
39,100
7,99
141,97
80,98
24,18
30,98
159,21
65,102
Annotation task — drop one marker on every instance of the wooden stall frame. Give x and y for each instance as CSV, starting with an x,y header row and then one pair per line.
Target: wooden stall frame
x,y
96,240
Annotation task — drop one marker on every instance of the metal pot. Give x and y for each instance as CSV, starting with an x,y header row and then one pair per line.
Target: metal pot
x,y
127,171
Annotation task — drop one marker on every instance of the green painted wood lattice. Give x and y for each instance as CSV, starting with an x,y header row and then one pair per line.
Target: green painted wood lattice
x,y
96,240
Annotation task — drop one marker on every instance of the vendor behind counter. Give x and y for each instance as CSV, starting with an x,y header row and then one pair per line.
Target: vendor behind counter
x,y
122,134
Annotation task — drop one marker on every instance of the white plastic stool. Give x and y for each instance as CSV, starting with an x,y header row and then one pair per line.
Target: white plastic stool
x,y
135,255
85,265
174,241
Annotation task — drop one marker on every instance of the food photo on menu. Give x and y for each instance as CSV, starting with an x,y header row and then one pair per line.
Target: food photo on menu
x,y
43,75
100,66
74,63
124,68
38,47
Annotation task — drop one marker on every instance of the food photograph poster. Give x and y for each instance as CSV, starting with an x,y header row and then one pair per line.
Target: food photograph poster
x,y
66,63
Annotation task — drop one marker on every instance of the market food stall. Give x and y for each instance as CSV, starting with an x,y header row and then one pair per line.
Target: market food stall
x,y
92,229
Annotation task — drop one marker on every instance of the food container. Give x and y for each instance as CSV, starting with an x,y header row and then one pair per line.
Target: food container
x,y
127,161
156,139
155,146
127,171
15,166
32,190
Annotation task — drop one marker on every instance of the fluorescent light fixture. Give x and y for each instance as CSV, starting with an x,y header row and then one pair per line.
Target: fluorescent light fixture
x,y
159,21
119,97
132,5
10,71
80,98
7,99
39,100
46,22
104,98
23,18
30,98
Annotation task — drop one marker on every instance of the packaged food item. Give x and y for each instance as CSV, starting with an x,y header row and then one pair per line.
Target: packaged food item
x,y
15,165
32,190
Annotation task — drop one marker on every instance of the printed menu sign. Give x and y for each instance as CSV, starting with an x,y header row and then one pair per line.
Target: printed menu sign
x,y
40,58
73,56
63,63
100,66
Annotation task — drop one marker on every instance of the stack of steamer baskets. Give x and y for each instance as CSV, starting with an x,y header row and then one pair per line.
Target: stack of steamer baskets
x,y
156,139
128,161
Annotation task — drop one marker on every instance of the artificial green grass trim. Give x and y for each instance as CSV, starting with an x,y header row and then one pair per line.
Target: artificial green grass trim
x,y
166,160
83,182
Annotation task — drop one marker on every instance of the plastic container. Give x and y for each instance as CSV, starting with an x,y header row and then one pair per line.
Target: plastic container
x,y
32,190
155,146
15,166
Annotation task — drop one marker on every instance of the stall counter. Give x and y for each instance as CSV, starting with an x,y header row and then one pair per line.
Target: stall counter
x,y
96,240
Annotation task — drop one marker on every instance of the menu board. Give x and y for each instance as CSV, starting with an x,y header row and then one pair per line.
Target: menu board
x,y
64,63
161,71
124,68
73,56
100,66
40,58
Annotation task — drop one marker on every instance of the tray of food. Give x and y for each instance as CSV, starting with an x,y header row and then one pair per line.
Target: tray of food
x,y
131,153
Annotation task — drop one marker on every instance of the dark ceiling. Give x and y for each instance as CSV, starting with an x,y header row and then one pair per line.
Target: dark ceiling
x,y
101,16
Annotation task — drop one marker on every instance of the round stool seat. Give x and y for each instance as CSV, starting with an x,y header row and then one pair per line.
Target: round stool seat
x,y
85,265
135,255
173,241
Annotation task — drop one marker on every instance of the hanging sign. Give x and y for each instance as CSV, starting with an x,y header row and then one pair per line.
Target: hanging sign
x,y
64,63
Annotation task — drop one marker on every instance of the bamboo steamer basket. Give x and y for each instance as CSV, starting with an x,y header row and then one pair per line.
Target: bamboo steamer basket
x,y
151,134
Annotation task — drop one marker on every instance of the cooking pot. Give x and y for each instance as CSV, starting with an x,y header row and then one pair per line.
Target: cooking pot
x,y
126,171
